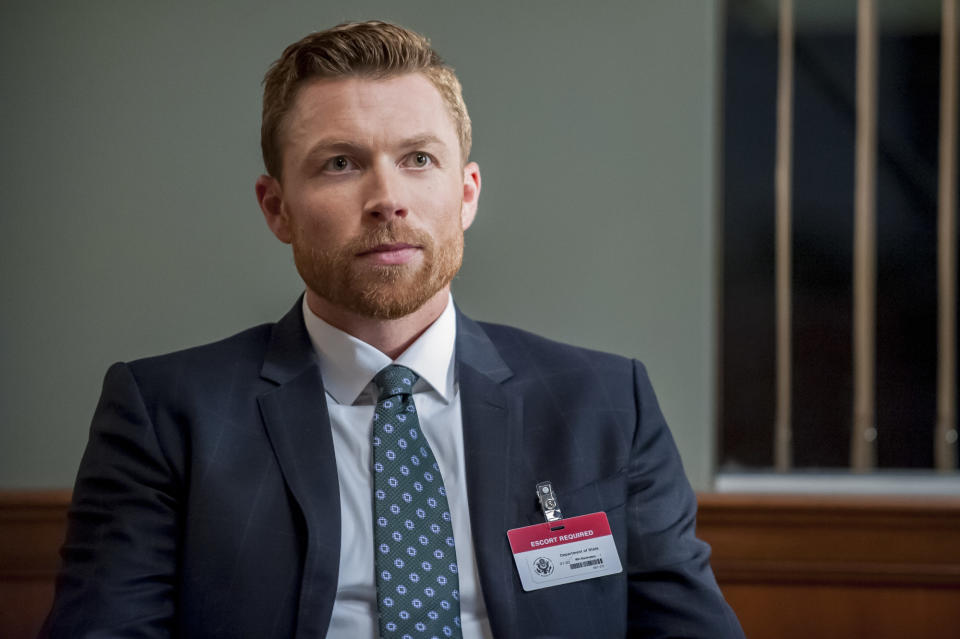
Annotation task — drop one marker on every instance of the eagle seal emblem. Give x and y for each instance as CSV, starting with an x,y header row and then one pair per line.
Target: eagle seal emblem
x,y
543,566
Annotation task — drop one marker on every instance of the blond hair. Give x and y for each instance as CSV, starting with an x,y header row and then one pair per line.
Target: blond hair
x,y
358,49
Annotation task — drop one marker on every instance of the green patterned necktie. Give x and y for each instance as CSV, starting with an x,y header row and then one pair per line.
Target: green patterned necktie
x,y
418,593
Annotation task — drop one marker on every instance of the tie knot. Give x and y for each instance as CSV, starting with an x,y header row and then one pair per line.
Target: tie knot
x,y
395,380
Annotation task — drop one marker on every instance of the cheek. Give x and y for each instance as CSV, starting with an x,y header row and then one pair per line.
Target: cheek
x,y
443,201
316,218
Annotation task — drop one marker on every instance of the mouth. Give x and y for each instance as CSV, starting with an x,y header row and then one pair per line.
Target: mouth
x,y
387,248
393,253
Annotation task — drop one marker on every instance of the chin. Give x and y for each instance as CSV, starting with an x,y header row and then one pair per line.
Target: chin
x,y
395,300
383,291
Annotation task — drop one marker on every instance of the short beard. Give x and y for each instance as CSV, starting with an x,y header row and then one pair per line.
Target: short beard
x,y
379,291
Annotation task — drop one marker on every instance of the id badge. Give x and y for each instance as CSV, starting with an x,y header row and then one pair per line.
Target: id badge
x,y
564,551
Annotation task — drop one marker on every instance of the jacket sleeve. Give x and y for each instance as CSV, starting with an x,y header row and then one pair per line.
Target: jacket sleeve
x,y
119,561
671,588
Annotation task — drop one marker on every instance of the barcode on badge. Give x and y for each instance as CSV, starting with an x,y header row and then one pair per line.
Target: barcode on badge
x,y
584,564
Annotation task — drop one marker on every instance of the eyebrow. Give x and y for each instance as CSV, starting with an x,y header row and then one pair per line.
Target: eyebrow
x,y
333,145
328,145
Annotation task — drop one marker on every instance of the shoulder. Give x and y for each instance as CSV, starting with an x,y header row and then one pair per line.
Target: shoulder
x,y
207,365
527,353
251,342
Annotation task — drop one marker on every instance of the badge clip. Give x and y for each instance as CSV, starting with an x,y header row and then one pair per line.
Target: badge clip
x,y
548,502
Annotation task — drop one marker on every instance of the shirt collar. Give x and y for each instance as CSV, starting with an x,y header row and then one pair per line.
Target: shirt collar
x,y
348,365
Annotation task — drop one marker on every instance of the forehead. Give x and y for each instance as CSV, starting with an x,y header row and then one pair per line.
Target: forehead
x,y
369,110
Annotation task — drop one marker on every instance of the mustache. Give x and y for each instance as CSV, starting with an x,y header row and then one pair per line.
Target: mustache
x,y
390,233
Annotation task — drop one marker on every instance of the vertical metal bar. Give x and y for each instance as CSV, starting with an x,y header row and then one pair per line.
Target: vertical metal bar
x,y
783,432
864,435
945,443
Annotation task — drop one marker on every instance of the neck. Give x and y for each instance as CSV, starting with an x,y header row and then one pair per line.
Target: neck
x,y
390,337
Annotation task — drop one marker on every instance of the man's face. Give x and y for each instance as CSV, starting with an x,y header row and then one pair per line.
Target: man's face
x,y
373,197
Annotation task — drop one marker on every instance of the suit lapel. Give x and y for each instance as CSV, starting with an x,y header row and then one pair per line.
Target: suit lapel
x,y
298,426
491,436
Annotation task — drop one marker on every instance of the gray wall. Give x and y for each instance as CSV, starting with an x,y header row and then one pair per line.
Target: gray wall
x,y
129,225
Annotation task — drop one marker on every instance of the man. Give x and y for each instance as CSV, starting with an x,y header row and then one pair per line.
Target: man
x,y
353,470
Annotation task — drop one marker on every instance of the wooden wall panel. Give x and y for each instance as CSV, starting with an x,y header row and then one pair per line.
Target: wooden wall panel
x,y
790,566
837,567
845,611
32,525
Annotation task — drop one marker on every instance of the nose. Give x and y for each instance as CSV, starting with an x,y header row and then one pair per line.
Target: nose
x,y
385,199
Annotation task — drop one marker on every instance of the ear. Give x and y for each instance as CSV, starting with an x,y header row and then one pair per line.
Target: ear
x,y
471,194
270,199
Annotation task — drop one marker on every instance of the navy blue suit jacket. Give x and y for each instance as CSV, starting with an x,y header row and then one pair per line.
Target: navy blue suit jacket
x,y
207,502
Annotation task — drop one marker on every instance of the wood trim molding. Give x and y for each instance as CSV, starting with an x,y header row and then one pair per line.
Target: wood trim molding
x,y
32,525
864,540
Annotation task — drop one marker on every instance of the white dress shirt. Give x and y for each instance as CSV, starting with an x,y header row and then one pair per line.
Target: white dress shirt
x,y
348,366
